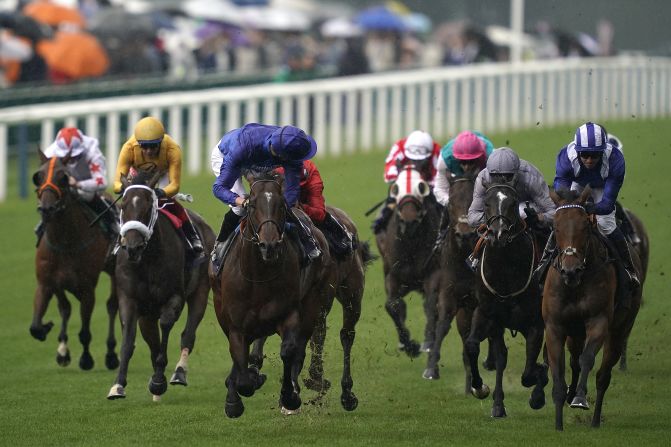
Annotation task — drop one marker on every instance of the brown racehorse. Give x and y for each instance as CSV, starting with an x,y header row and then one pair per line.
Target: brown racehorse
x,y
579,306
156,276
263,290
456,296
70,257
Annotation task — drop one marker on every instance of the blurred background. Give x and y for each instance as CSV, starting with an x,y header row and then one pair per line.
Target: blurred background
x,y
53,50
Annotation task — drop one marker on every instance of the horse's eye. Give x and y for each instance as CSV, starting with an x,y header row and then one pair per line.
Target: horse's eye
x,y
394,191
37,178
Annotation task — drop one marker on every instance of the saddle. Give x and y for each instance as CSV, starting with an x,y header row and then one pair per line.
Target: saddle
x,y
341,241
191,260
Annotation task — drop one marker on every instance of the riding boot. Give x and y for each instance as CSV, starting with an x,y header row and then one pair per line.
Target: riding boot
x,y
380,223
625,255
228,226
39,231
442,230
544,263
192,236
340,237
306,237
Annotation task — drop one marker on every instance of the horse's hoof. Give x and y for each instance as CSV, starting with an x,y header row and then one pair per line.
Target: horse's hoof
x,y
116,392
63,360
234,409
426,346
86,361
499,411
178,377
480,393
349,401
260,380
111,361
158,388
287,412
537,399
40,332
412,349
291,403
489,364
155,398
431,374
320,386
579,402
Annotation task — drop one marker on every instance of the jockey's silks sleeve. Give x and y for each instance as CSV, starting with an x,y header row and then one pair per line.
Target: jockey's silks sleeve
x,y
312,193
563,172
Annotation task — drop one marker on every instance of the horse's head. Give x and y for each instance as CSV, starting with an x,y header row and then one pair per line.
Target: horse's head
x,y
461,196
139,211
502,211
572,231
410,191
52,181
267,215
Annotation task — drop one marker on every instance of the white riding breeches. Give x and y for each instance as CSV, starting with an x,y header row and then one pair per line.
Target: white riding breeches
x,y
606,222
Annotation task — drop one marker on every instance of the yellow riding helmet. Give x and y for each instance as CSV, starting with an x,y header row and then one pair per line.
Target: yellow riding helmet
x,y
149,130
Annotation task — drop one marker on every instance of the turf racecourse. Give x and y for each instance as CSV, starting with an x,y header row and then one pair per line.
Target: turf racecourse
x,y
44,404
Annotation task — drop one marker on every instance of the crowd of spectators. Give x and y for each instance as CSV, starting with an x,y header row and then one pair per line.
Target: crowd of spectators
x,y
171,43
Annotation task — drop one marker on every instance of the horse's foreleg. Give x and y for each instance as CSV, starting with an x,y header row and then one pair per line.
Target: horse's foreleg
x,y
111,358
479,331
238,379
501,356
87,302
444,315
315,381
169,315
623,356
535,374
41,300
464,317
65,309
429,302
128,315
290,391
256,356
351,313
575,345
596,330
196,309
150,332
396,309
554,343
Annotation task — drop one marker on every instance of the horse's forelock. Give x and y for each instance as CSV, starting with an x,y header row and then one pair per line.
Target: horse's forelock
x,y
142,177
568,195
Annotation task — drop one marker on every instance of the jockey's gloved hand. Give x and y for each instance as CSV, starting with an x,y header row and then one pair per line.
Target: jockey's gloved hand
x,y
590,208
160,193
532,216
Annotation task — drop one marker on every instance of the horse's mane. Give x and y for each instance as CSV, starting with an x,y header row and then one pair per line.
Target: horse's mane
x,y
567,194
142,177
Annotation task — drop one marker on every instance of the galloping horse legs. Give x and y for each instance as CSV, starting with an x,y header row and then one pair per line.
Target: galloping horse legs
x,y
351,313
554,343
86,303
396,309
315,381
196,304
111,359
596,330
429,303
43,295
501,353
444,314
65,309
289,352
151,335
256,356
574,345
534,374
236,380
464,317
128,314
170,312
479,330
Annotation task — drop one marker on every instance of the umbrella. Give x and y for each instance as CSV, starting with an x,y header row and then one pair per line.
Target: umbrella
x,y
25,26
75,54
118,23
52,14
340,27
214,10
276,19
379,18
417,22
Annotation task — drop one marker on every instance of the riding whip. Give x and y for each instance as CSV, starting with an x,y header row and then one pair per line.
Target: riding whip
x,y
376,206
106,210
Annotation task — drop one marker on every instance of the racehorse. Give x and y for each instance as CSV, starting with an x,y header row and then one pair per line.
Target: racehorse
x,y
156,276
263,289
405,247
350,280
506,297
69,257
456,296
579,306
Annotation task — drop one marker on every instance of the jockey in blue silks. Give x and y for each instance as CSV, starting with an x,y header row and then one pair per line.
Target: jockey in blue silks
x,y
591,159
261,147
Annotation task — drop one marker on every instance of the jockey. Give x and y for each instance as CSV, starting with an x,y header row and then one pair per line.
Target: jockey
x,y
260,147
416,149
151,149
88,173
591,159
311,201
468,149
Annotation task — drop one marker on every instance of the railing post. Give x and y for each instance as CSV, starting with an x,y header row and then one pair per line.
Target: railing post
x,y
23,160
4,159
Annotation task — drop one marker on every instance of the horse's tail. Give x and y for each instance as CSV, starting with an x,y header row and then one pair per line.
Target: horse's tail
x,y
367,255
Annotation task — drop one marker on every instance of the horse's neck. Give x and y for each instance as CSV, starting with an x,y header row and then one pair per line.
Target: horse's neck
x,y
70,224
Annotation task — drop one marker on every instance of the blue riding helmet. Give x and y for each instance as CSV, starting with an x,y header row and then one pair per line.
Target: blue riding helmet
x,y
292,143
591,137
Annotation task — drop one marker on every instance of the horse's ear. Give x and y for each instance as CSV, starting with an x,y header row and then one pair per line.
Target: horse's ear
x,y
124,181
155,178
586,194
43,158
554,196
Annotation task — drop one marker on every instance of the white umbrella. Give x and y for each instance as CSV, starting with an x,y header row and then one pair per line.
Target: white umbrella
x,y
275,19
215,10
340,27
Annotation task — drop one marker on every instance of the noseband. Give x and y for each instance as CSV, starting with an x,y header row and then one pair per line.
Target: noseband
x,y
49,184
145,229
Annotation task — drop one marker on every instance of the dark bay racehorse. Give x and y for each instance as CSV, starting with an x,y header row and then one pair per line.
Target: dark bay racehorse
x,y
405,247
262,289
579,306
506,299
456,296
155,278
70,257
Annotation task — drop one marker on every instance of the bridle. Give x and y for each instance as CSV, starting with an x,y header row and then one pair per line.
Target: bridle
x,y
572,251
49,184
256,227
146,230
507,224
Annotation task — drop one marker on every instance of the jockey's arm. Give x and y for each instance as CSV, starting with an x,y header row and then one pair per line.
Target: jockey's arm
x,y
612,186
441,188
98,169
292,178
390,166
174,156
312,193
563,172
124,163
476,213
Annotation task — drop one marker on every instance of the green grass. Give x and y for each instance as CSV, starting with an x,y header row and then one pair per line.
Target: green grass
x,y
42,403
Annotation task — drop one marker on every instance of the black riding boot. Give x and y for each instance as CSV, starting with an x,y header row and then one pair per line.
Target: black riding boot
x,y
442,230
228,226
312,251
192,236
39,232
380,223
617,238
544,263
337,234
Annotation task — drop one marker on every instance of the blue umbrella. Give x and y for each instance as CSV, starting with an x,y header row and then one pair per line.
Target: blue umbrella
x,y
379,18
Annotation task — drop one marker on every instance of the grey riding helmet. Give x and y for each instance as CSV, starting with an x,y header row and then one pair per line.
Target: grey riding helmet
x,y
503,161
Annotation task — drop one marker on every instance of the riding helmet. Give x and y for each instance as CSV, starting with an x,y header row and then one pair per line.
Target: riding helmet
x,y
503,161
149,130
